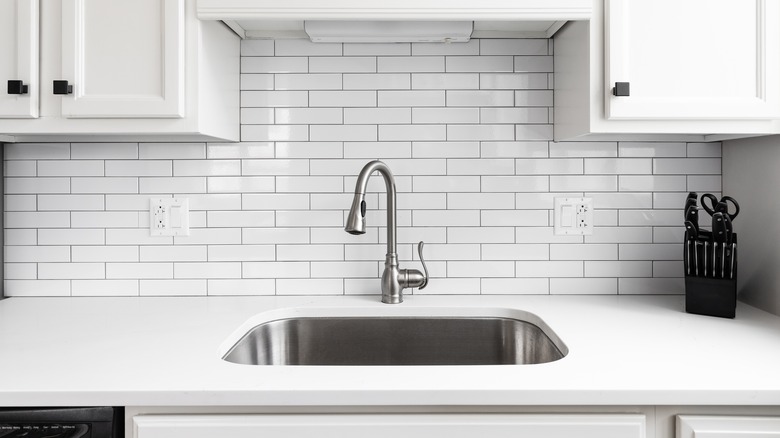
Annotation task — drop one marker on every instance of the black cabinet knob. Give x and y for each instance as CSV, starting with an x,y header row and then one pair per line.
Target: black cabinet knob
x,y
620,89
62,87
17,87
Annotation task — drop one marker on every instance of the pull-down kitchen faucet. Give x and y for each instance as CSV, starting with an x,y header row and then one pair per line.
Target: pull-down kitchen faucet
x,y
394,280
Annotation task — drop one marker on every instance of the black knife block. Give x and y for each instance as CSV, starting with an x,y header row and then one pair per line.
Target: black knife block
x,y
712,296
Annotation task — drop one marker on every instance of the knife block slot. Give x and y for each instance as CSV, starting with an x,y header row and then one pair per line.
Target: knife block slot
x,y
711,296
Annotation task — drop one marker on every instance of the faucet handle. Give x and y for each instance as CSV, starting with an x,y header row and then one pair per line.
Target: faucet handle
x,y
422,260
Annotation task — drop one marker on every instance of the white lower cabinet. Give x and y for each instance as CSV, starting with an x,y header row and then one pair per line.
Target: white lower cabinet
x,y
717,426
391,426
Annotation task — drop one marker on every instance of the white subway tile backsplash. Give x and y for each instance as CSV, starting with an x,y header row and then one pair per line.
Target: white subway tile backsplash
x,y
515,251
652,183
590,251
513,46
73,236
651,286
645,149
271,64
445,115
304,47
583,286
37,185
20,168
135,168
479,64
493,166
162,185
172,287
104,288
20,202
413,132
382,81
514,115
713,150
49,219
241,287
583,149
533,268
37,288
252,47
36,151
515,286
514,149
342,99
687,166
321,81
531,64
32,254
261,81
139,270
343,132
411,98
257,116
70,168
171,151
104,219
703,183
104,253
445,81
618,269
309,286
105,185
275,270
534,98
480,98
466,129
414,64
375,49
346,64
590,183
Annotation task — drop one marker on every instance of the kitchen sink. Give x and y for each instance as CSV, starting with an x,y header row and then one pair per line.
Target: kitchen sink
x,y
398,340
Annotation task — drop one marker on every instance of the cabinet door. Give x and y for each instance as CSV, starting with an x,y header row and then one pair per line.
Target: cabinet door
x,y
693,59
390,426
19,54
123,58
714,426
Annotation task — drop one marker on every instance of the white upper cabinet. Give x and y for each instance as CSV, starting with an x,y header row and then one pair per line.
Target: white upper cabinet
x,y
141,70
19,52
697,70
696,59
123,59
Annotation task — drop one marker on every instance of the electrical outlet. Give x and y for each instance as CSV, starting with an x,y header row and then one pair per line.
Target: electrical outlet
x,y
169,216
573,216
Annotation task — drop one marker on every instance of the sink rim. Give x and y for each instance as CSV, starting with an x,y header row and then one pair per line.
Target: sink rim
x,y
288,313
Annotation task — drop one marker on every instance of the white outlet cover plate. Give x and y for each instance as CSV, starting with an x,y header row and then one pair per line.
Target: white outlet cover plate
x,y
573,216
169,216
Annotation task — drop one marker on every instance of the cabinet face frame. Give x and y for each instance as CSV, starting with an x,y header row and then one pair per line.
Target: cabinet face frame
x,y
390,425
763,105
23,53
82,104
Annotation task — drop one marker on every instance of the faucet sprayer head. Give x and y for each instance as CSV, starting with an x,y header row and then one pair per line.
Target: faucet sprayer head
x,y
356,221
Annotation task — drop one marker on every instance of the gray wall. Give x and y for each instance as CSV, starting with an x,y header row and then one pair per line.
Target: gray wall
x,y
751,174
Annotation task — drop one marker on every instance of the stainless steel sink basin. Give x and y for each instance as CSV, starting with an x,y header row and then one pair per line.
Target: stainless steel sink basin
x,y
442,340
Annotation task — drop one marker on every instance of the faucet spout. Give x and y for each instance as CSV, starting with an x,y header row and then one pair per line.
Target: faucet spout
x,y
356,219
394,280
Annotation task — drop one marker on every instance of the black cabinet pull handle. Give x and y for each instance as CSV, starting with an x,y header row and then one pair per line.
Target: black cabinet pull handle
x,y
17,87
62,87
621,89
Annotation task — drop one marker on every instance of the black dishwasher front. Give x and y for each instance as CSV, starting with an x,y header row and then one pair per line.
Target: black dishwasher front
x,y
88,422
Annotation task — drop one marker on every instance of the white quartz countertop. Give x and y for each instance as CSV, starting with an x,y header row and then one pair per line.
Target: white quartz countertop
x,y
143,351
